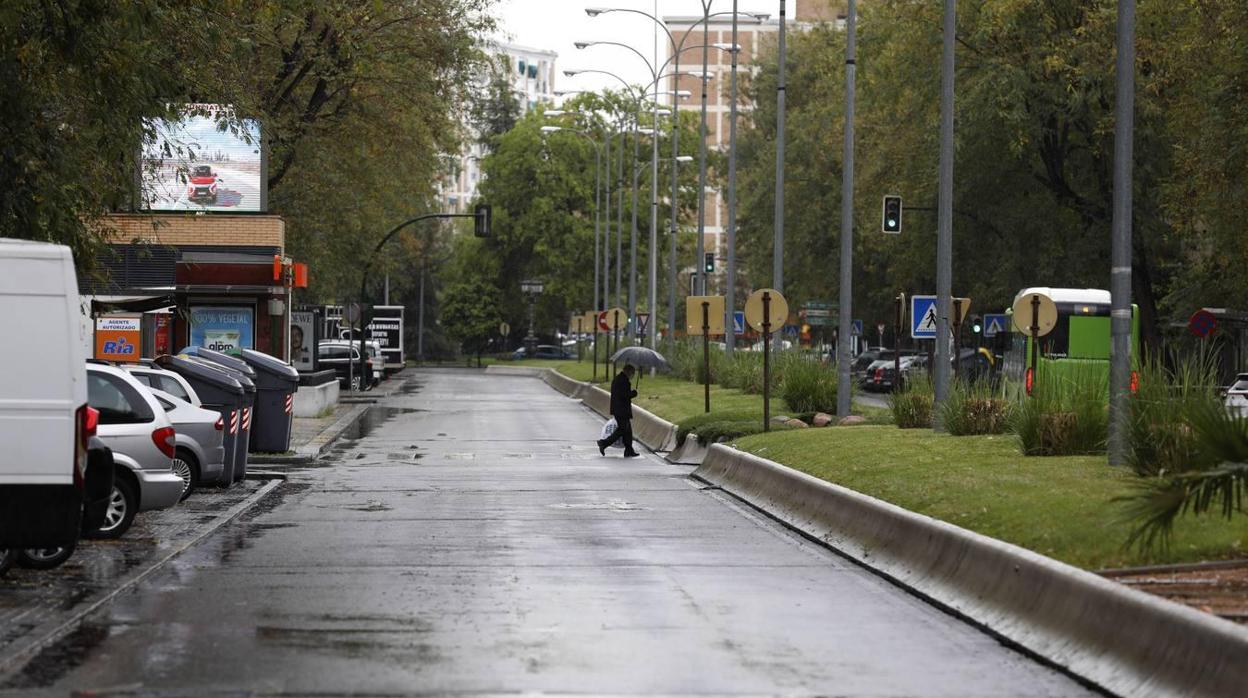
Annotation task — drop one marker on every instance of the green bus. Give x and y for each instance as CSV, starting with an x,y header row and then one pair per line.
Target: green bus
x,y
1079,342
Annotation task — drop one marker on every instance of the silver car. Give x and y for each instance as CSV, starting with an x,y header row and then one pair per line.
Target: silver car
x,y
135,427
200,455
168,381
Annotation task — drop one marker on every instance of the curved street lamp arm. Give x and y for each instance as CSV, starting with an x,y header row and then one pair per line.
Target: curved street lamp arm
x,y
646,61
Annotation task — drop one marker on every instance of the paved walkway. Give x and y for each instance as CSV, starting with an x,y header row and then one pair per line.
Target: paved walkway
x,y
474,542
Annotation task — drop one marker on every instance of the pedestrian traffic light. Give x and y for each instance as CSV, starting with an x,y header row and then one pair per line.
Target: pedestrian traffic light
x,y
977,324
892,214
709,264
482,221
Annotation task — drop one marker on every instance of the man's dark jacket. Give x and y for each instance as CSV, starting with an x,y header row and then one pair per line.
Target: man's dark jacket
x,y
622,397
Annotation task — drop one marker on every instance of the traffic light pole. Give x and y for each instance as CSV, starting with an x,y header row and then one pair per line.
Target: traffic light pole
x,y
944,216
844,354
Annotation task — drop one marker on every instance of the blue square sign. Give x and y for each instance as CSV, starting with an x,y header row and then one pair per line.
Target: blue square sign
x,y
923,317
738,322
995,324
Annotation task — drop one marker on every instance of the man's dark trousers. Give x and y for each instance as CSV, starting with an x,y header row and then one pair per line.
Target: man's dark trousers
x,y
622,395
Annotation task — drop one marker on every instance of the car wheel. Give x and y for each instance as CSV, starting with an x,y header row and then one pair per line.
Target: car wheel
x,y
123,504
186,467
6,560
43,558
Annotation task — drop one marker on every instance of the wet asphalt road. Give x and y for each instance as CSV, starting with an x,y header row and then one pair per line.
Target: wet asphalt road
x,y
475,542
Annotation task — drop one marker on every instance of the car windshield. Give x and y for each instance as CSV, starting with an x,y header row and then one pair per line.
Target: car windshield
x,y
1241,384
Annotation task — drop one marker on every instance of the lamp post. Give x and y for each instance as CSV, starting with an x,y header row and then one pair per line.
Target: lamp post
x,y
844,355
531,288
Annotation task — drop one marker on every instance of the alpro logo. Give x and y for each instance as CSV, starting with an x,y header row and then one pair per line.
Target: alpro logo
x,y
220,346
120,347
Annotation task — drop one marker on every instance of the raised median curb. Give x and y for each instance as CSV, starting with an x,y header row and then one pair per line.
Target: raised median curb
x,y
1123,640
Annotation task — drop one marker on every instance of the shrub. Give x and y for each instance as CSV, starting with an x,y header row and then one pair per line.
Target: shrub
x,y
744,371
1162,438
806,385
1067,415
697,422
975,408
912,405
688,363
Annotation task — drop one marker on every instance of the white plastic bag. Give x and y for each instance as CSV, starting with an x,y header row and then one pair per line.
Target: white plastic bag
x,y
608,429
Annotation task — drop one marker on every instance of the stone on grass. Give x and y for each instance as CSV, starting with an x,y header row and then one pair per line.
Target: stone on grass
x,y
797,423
852,419
822,419
781,419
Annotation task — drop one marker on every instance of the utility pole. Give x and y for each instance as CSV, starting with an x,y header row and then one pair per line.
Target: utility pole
x,y
420,317
1120,271
632,237
844,334
699,286
777,273
944,230
730,284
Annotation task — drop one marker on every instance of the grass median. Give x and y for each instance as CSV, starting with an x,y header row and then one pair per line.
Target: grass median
x,y
1062,507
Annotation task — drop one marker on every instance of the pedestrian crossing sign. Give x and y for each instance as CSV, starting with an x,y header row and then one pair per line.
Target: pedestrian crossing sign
x,y
738,322
994,324
923,317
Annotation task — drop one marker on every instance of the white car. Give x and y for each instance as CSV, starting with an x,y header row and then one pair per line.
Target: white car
x,y
135,426
1237,396
168,381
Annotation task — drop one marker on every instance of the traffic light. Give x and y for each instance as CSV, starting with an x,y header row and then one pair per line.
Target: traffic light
x,y
482,221
977,324
709,264
892,214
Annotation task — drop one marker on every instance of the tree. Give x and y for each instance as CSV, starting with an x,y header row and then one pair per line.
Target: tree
x,y
494,109
470,312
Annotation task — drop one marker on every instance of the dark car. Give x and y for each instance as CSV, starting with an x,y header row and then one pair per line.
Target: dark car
x,y
543,351
340,357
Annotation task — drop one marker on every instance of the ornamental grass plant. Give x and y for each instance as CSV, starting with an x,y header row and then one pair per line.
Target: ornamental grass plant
x,y
1066,415
975,407
912,404
805,383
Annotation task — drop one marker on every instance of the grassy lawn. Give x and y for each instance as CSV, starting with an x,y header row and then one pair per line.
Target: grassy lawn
x,y
1061,506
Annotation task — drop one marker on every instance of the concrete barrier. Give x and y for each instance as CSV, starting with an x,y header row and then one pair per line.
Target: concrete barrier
x,y
1123,640
504,370
689,453
565,385
315,400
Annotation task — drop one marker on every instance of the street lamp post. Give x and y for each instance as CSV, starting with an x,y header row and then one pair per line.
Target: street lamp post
x,y
847,224
778,242
531,288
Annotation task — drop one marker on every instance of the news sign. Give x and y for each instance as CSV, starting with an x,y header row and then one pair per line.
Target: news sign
x,y
207,160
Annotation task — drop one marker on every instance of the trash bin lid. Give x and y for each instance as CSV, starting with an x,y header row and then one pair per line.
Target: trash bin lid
x,y
272,365
202,371
247,384
217,357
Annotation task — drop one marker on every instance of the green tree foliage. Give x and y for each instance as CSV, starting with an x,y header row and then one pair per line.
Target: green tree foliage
x,y
542,189
494,109
1033,172
470,312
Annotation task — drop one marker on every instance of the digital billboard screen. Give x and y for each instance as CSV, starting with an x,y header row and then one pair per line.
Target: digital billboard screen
x,y
207,160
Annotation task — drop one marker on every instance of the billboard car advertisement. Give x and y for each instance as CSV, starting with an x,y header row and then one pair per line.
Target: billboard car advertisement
x,y
387,329
117,338
206,161
222,328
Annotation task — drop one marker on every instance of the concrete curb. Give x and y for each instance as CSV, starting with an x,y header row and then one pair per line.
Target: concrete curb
x,y
315,446
20,657
1123,640
689,453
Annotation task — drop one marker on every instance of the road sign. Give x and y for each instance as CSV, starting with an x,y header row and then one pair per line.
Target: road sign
x,y
738,322
923,317
1046,318
352,313
1202,323
995,324
960,309
777,311
857,331
504,329
616,319
693,315
790,330
643,322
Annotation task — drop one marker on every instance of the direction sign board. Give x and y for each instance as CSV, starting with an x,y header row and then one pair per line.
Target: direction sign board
x,y
857,332
995,324
738,322
923,317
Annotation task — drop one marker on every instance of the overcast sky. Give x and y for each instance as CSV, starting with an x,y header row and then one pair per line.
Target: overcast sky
x,y
556,24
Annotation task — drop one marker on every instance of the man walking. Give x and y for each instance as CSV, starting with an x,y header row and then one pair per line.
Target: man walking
x,y
622,395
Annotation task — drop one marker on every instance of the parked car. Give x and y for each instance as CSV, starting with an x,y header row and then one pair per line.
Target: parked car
x,y
870,356
135,427
173,383
98,485
543,351
1237,396
203,185
200,434
344,359
882,376
45,422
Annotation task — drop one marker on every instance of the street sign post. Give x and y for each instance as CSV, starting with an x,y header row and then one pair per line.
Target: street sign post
x,y
1039,313
923,317
763,305
1202,323
710,311
994,324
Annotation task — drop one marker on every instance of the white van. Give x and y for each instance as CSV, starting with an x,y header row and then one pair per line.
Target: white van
x,y
45,423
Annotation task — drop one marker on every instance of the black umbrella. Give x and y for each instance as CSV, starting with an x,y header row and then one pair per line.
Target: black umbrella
x,y
641,357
